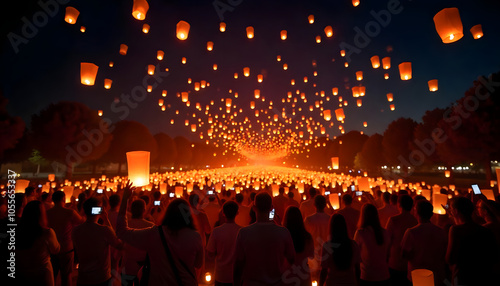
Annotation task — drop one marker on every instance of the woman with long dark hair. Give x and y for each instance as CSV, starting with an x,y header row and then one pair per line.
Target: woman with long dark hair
x,y
174,248
303,244
340,256
35,242
373,242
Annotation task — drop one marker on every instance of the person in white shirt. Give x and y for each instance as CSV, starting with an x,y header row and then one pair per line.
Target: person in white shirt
x,y
221,244
262,248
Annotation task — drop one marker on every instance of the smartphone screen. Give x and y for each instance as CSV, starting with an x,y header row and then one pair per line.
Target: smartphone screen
x,y
359,194
40,186
353,188
210,192
271,215
99,191
157,203
476,189
96,210
171,195
327,193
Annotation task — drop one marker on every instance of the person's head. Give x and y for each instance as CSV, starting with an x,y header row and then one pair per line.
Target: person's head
x,y
194,200
347,199
252,196
386,196
281,190
156,195
263,203
338,228
29,191
31,225
368,218
211,199
379,194
90,203
58,197
462,209
45,196
238,198
312,192
424,210
294,222
114,201
290,194
178,215
405,202
489,210
145,198
320,203
230,210
394,199
138,208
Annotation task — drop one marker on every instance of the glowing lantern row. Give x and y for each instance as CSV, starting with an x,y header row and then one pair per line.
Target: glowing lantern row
x,y
375,62
159,55
123,49
250,32
222,27
449,25
329,31
107,83
359,75
327,114
88,72
71,15
405,70
145,28
339,113
246,72
477,31
390,97
151,69
386,63
283,35
210,46
433,84
139,9
422,277
138,167
182,30
335,163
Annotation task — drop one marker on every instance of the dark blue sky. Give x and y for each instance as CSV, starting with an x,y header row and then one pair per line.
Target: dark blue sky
x,y
46,69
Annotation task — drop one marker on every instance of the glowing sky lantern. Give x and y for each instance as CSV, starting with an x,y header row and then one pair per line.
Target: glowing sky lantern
x,y
310,19
139,9
246,71
422,277
68,192
283,34
215,67
51,177
359,102
334,201
359,75
222,26
447,173
355,92
151,69
107,83
184,96
365,124
210,46
339,114
433,84
145,28
123,49
386,63
71,15
159,55
82,29
256,93
355,3
88,72
164,93
362,90
99,112
193,128
160,102
252,104
342,53
183,60
328,31
138,167
375,62
386,76
335,90
392,107
250,32
318,39
285,66
182,30
228,102
260,78
335,163
438,200
449,25
477,31
390,97
405,70
327,114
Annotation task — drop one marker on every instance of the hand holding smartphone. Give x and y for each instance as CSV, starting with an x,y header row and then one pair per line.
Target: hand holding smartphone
x,y
96,210
271,215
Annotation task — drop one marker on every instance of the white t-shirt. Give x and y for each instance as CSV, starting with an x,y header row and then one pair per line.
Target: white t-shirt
x,y
222,242
263,247
374,258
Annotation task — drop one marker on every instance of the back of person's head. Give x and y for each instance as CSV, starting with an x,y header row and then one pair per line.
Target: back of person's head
x,y
418,198
424,210
145,198
379,193
114,201
31,225
58,196
230,209
463,206
347,199
263,202
320,203
44,196
312,192
290,194
294,222
178,215
341,243
20,200
156,195
386,196
138,208
238,198
89,204
394,199
281,190
29,191
369,218
406,202
194,199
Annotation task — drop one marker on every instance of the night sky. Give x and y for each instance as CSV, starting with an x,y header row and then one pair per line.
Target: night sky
x,y
46,69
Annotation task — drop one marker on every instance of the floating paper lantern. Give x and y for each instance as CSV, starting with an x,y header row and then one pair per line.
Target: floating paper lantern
x,y
256,93
335,163
359,75
447,173
335,90
405,70
318,39
184,96
437,201
477,31
329,31
375,62
327,114
111,64
355,92
178,191
339,113
123,49
250,32
362,90
260,78
99,113
151,69
68,192
449,25
365,124
51,177
183,60
182,30
246,72
21,186
71,15
214,67
342,53
390,97
422,277
139,9
334,201
82,29
355,3
283,34
107,83
285,66
222,27
252,104
359,102
228,102
164,93
145,28
433,84
392,107
310,19
210,46
138,167
386,76
88,72
159,55
386,63
208,277
193,128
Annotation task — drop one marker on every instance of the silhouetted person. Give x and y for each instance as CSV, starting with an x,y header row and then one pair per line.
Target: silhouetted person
x,y
243,217
387,210
307,207
262,247
35,242
279,202
299,273
317,225
472,251
350,214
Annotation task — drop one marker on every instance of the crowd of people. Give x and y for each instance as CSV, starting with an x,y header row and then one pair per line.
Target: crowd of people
x,y
133,237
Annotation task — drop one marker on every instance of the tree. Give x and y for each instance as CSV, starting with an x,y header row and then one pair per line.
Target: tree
x,y
167,151
11,127
423,135
37,159
129,136
352,143
372,153
70,133
397,139
184,151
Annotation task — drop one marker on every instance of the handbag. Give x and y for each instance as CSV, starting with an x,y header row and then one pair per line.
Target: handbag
x,y
171,259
